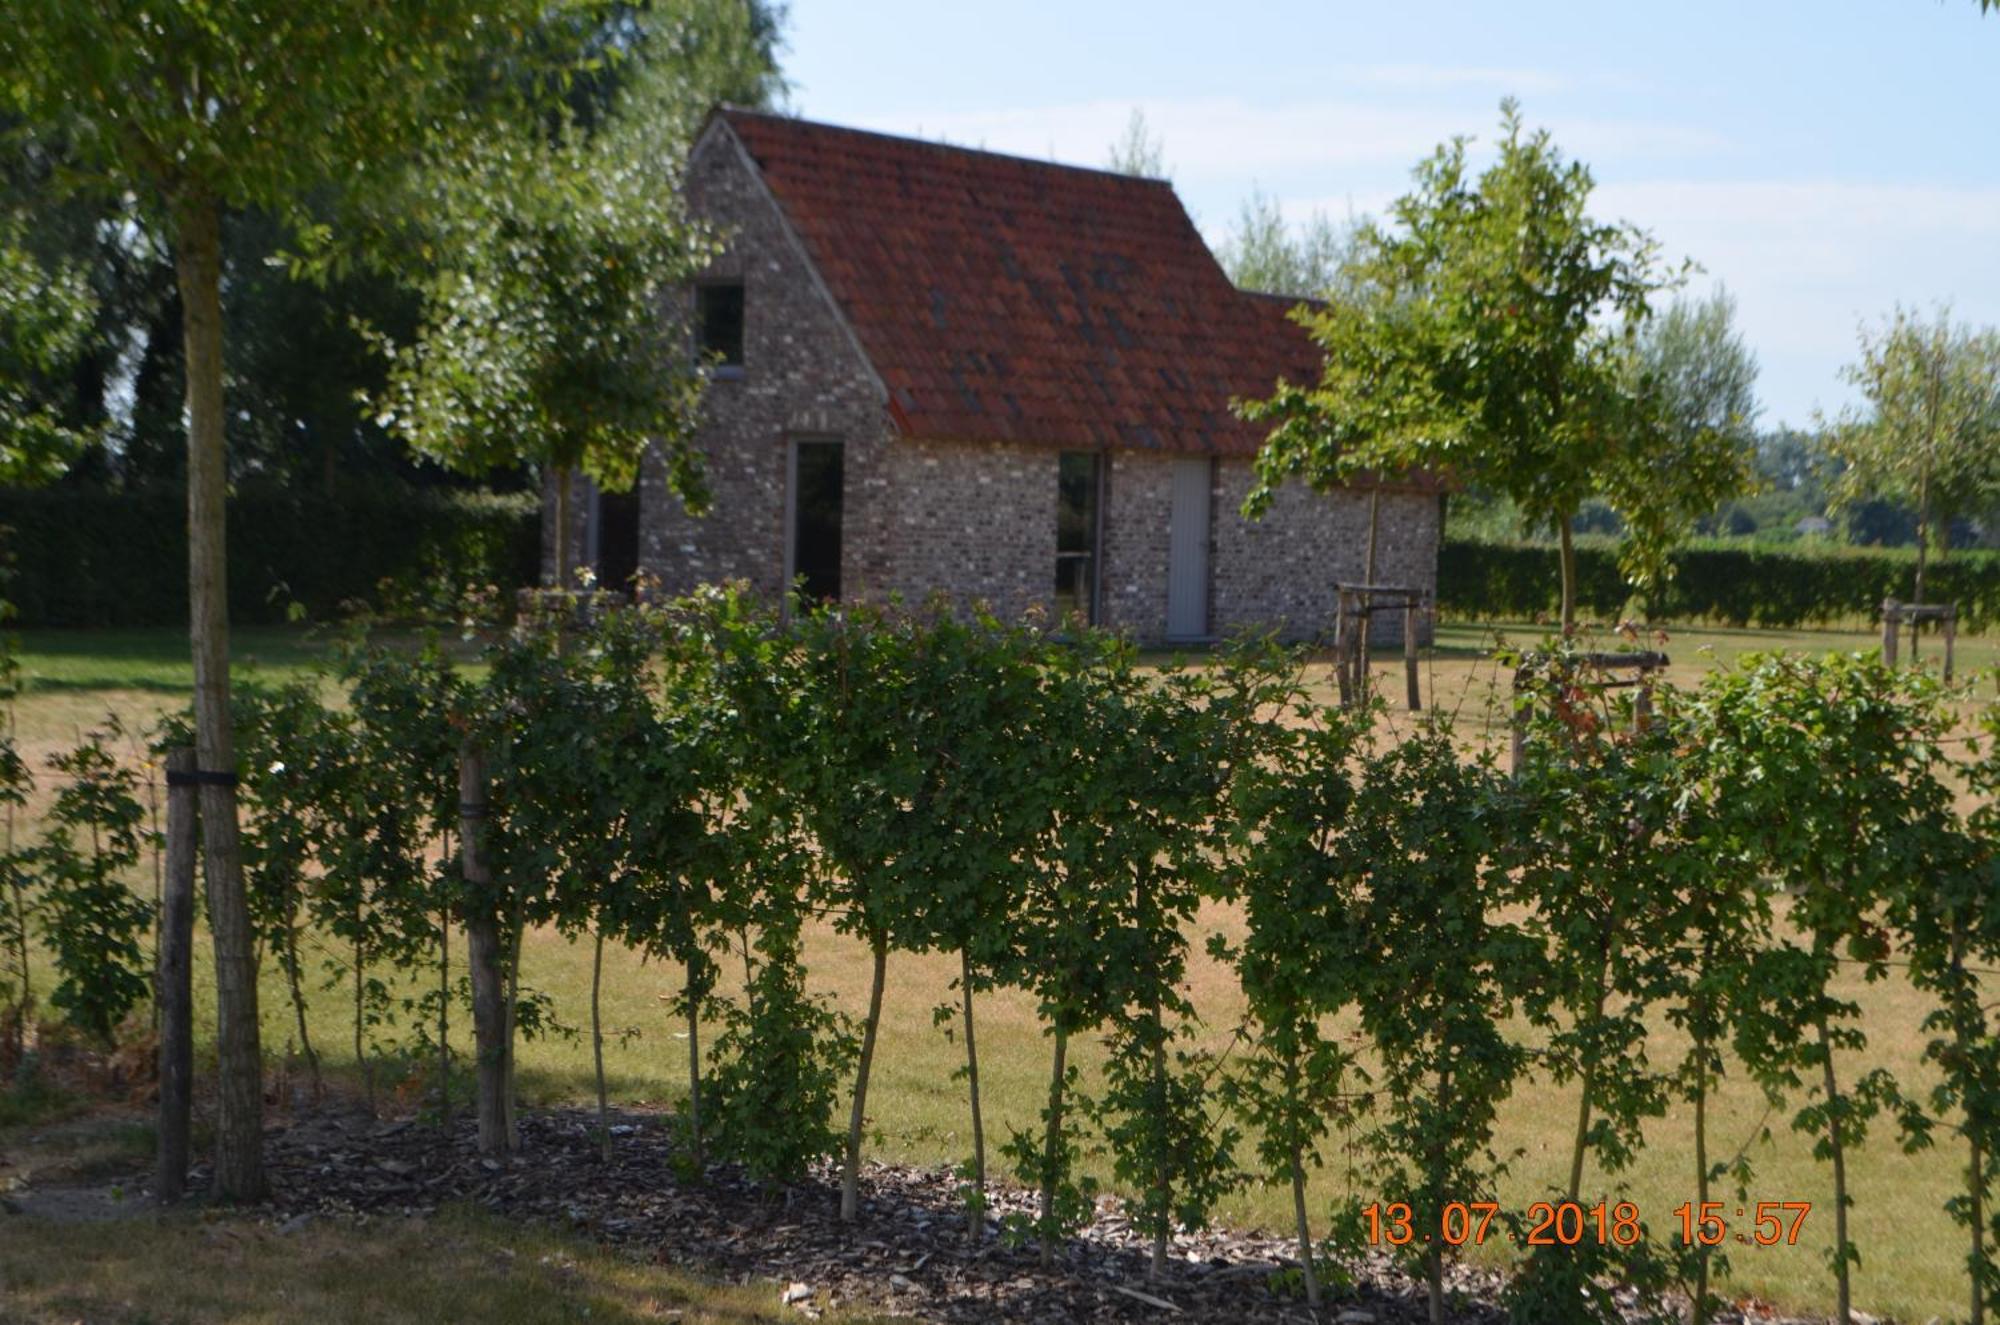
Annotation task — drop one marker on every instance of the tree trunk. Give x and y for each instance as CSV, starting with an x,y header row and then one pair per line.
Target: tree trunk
x,y
1976,1196
510,1032
1702,1250
978,1214
1296,1159
694,1069
562,557
482,945
1587,1083
1434,1248
239,1132
850,1177
1568,576
1162,1177
295,980
176,989
361,1010
1836,1145
1051,1145
597,1047
444,1014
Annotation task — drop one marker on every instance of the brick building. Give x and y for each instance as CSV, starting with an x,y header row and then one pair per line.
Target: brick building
x,y
945,370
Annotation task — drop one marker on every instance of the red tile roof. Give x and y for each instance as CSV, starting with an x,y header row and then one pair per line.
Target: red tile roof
x,y
1003,299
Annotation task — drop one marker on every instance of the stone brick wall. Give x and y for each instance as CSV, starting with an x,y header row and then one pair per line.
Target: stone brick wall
x,y
969,520
973,521
1281,570
802,378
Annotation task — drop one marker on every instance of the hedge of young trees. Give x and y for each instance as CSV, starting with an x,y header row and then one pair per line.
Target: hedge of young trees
x,y
704,782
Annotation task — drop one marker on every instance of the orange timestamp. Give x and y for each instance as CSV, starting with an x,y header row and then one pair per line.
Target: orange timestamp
x,y
1570,1223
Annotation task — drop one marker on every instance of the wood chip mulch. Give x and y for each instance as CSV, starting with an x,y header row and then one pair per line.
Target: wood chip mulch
x,y
908,1254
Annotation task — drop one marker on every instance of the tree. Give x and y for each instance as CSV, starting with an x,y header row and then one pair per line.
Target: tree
x,y
1138,151
554,251
1928,436
197,109
1487,334
45,324
1266,255
1704,372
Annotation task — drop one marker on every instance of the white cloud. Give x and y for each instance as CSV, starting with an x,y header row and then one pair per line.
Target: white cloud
x,y
1810,259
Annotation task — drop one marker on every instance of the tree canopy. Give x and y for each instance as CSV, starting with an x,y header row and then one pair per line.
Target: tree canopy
x,y
1927,435
1487,332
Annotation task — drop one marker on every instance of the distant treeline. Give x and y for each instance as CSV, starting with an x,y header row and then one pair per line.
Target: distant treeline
x,y
1723,582
91,557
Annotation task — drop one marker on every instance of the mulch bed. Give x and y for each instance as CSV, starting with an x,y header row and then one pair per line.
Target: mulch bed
x,y
907,1254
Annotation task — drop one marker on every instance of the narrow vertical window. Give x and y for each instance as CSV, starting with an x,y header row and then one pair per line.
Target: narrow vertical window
x,y
718,310
818,481
1079,483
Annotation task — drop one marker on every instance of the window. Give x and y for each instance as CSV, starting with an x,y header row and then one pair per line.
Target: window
x,y
1079,484
817,483
718,314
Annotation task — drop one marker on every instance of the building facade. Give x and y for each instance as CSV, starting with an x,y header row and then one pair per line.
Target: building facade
x,y
941,371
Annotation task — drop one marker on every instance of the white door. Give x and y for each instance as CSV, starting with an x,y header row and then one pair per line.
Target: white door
x,y
1187,550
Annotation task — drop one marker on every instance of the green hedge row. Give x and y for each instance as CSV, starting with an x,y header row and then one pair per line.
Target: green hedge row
x,y
85,557
1714,581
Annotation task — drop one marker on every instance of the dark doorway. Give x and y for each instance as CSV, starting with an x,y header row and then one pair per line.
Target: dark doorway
x,y
617,539
818,479
1079,487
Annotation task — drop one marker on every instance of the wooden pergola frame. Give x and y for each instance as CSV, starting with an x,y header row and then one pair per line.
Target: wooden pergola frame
x,y
1896,615
1357,606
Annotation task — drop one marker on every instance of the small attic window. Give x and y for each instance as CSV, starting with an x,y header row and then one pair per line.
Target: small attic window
x,y
718,315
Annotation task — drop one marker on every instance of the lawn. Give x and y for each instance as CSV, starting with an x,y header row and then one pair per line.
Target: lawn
x,y
1912,1254
459,1265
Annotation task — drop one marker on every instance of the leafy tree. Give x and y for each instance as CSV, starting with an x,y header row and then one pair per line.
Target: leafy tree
x,y
45,325
968,829
1264,254
1485,333
194,110
1437,969
1928,436
782,1051
1950,925
553,253
1138,151
1288,806
1699,364
1834,761
93,922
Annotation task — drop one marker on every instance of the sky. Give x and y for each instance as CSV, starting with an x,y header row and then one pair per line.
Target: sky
x,y
1824,160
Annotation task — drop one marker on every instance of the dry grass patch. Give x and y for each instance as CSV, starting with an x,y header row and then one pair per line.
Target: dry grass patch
x,y
456,1266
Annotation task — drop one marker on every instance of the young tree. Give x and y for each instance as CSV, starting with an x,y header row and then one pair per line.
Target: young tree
x,y
1485,333
1288,804
1138,151
1263,253
553,254
1928,435
197,109
45,324
1834,760
1437,968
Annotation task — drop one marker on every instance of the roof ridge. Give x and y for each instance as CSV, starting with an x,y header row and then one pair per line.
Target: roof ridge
x,y
730,109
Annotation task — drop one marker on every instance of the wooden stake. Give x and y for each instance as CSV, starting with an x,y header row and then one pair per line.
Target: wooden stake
x,y
175,991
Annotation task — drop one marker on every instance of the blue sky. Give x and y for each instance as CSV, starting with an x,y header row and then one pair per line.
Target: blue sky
x,y
1822,159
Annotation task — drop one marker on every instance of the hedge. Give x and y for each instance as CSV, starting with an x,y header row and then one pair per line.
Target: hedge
x,y
89,557
1718,582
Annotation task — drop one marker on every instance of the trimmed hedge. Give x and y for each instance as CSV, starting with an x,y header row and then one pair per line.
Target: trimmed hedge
x,y
1714,581
87,557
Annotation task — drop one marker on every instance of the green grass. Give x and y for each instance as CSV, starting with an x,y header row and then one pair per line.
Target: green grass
x,y
1912,1254
458,1265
